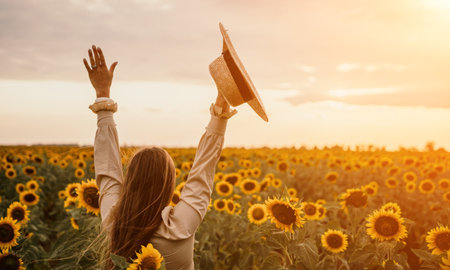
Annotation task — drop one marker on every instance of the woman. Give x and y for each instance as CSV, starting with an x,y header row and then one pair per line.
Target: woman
x,y
135,209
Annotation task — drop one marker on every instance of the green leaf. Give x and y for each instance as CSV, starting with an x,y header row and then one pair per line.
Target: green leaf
x,y
119,261
424,255
308,255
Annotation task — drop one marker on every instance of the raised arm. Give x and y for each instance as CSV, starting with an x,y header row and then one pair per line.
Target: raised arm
x,y
107,159
182,220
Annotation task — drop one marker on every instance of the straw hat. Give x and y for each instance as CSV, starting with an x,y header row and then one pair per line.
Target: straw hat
x,y
232,80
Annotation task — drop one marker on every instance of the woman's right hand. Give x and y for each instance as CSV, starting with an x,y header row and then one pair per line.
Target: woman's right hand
x,y
100,76
221,102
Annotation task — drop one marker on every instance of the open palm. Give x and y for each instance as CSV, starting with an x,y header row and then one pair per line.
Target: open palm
x,y
99,74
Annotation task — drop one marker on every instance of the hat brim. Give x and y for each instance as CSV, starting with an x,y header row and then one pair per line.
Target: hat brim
x,y
256,102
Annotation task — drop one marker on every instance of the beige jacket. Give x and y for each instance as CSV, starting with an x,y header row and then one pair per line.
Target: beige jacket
x,y
175,236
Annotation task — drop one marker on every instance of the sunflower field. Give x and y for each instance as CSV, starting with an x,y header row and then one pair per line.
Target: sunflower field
x,y
271,208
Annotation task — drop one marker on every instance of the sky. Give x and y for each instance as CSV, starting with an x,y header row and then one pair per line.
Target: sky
x,y
353,72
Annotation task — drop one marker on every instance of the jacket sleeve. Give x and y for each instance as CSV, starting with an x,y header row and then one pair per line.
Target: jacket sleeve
x,y
108,163
182,220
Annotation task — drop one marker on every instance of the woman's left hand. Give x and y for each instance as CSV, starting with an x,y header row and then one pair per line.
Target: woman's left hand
x,y
100,76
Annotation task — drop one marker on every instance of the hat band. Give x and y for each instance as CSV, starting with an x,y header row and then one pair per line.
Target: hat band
x,y
237,76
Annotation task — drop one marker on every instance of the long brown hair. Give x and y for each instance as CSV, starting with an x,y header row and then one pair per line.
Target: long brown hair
x,y
147,188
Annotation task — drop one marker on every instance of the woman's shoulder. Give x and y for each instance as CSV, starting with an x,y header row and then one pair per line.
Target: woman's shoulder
x,y
178,222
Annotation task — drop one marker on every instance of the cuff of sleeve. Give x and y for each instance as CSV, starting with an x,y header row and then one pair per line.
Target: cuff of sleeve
x,y
105,118
217,125
102,99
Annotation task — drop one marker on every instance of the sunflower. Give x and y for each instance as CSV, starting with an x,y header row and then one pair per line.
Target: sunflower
x,y
177,172
10,261
74,223
283,214
282,166
249,186
427,186
218,176
62,194
175,198
79,173
29,198
88,196
353,197
438,240
29,170
446,196
322,211
257,213
334,241
20,188
292,192
222,165
180,186
63,164
256,172
230,206
292,172
409,177
446,262
410,187
148,258
369,190
32,185
9,232
393,170
92,167
391,182
444,183
276,182
37,159
270,176
69,201
219,204
243,173
385,225
186,166
264,184
331,177
232,178
311,210
391,206
224,189
10,173
18,212
79,163
71,190
321,202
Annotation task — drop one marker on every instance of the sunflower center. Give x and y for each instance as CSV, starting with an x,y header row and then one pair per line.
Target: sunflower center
x,y
331,177
6,233
73,192
409,177
443,241
310,210
30,197
10,173
444,185
148,264
357,199
283,166
258,214
29,171
334,241
224,188
18,214
427,186
284,214
387,226
264,185
370,190
9,262
230,206
90,196
249,186
220,204
175,198
32,186
232,180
